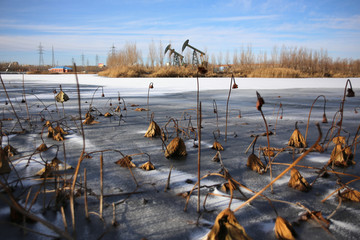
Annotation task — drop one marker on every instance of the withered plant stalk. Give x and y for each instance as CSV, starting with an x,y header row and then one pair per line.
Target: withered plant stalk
x,y
232,85
81,157
324,114
151,85
101,185
342,106
85,195
284,172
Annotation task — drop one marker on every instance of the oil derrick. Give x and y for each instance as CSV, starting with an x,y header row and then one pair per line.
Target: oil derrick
x,y
195,59
177,59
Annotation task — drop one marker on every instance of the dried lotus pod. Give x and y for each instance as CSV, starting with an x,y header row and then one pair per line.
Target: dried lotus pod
x,y
283,229
217,146
350,195
4,162
298,182
260,101
62,97
153,130
297,140
148,166
226,227
176,148
255,164
126,162
10,150
42,148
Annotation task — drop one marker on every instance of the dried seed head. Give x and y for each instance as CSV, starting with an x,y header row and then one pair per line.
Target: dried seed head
x,y
350,92
151,85
235,86
55,92
324,119
260,101
102,95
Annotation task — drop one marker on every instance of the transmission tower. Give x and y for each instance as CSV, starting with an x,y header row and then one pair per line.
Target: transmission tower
x,y
113,50
97,60
53,57
83,59
41,52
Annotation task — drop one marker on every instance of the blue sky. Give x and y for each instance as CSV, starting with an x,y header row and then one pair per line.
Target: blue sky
x,y
91,28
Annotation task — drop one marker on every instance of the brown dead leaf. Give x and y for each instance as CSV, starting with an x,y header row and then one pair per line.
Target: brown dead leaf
x,y
227,227
255,164
42,148
283,229
216,158
148,166
315,215
126,162
58,137
297,140
298,182
342,156
153,130
89,119
10,150
62,97
176,148
226,187
217,146
140,109
107,114
350,195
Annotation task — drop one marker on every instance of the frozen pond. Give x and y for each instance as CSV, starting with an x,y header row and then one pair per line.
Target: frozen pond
x,y
151,212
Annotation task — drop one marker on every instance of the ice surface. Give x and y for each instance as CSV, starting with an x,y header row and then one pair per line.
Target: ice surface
x,y
151,212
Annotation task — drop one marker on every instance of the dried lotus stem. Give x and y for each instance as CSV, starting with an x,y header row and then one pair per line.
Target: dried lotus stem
x,y
234,86
324,114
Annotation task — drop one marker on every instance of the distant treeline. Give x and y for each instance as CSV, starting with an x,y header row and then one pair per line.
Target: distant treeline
x,y
284,62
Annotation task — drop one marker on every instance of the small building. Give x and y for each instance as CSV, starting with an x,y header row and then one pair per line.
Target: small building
x,y
60,69
101,65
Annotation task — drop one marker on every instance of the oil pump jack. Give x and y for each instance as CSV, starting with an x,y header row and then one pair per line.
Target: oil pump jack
x,y
177,59
195,59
